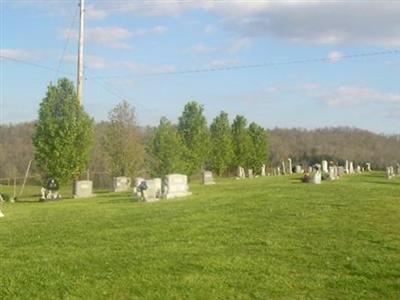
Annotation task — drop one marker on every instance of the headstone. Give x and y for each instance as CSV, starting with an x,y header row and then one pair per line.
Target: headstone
x,y
240,173
290,166
351,168
83,189
278,170
324,164
358,169
208,178
298,169
152,192
331,173
368,167
389,172
398,169
310,169
121,184
1,214
316,177
341,171
250,173
263,170
283,168
347,167
175,185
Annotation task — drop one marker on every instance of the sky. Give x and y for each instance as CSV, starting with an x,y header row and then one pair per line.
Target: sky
x,y
305,64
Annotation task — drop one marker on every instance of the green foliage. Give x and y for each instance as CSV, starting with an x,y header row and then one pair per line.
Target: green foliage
x,y
242,143
221,155
165,150
64,134
122,144
259,154
192,127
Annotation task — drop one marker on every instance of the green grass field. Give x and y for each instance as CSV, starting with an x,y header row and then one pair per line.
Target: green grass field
x,y
267,238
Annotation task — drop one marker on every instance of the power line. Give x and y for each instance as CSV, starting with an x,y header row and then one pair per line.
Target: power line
x,y
260,65
69,31
32,64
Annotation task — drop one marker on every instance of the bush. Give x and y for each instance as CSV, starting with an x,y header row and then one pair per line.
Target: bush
x,y
324,176
6,197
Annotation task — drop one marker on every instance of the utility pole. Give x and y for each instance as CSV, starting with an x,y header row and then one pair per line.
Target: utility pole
x,y
79,82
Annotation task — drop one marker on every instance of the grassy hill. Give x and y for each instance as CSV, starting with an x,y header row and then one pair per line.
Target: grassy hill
x,y
267,238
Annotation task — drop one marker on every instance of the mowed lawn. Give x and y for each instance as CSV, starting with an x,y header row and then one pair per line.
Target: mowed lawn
x,y
266,238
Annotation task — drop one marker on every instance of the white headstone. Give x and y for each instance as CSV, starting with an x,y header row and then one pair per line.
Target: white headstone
x,y
368,167
290,166
152,192
208,178
298,169
324,165
83,189
121,184
175,185
316,177
263,170
1,214
351,168
347,167
250,173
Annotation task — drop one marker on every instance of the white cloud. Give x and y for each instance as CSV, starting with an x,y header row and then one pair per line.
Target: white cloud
x,y
335,56
355,95
115,37
200,48
19,54
305,21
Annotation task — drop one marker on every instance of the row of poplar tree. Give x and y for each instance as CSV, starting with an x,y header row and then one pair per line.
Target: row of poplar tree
x,y
191,145
65,135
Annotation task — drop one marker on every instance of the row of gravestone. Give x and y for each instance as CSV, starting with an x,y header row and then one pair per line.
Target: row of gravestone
x,y
175,185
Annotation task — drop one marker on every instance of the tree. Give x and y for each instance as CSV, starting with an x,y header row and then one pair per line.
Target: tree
x,y
260,150
122,145
166,150
221,155
242,143
192,127
64,134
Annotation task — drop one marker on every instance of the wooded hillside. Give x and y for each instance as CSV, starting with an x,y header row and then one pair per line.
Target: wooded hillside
x,y
303,146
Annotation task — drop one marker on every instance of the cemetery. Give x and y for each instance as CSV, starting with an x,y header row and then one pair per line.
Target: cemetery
x,y
271,225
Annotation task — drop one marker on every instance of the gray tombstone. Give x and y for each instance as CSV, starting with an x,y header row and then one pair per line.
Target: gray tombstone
x,y
240,173
152,192
331,173
298,169
121,184
389,172
283,168
290,166
175,185
278,170
341,171
347,167
250,173
83,189
207,178
398,169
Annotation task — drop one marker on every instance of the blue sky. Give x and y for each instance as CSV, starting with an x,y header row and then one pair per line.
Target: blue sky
x,y
136,49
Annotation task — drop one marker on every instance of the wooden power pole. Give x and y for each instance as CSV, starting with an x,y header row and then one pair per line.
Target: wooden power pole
x,y
80,79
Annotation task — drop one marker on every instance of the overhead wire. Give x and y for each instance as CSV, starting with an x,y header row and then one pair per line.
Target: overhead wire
x,y
69,34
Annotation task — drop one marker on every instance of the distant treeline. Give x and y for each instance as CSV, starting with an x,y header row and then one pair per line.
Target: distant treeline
x,y
303,146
